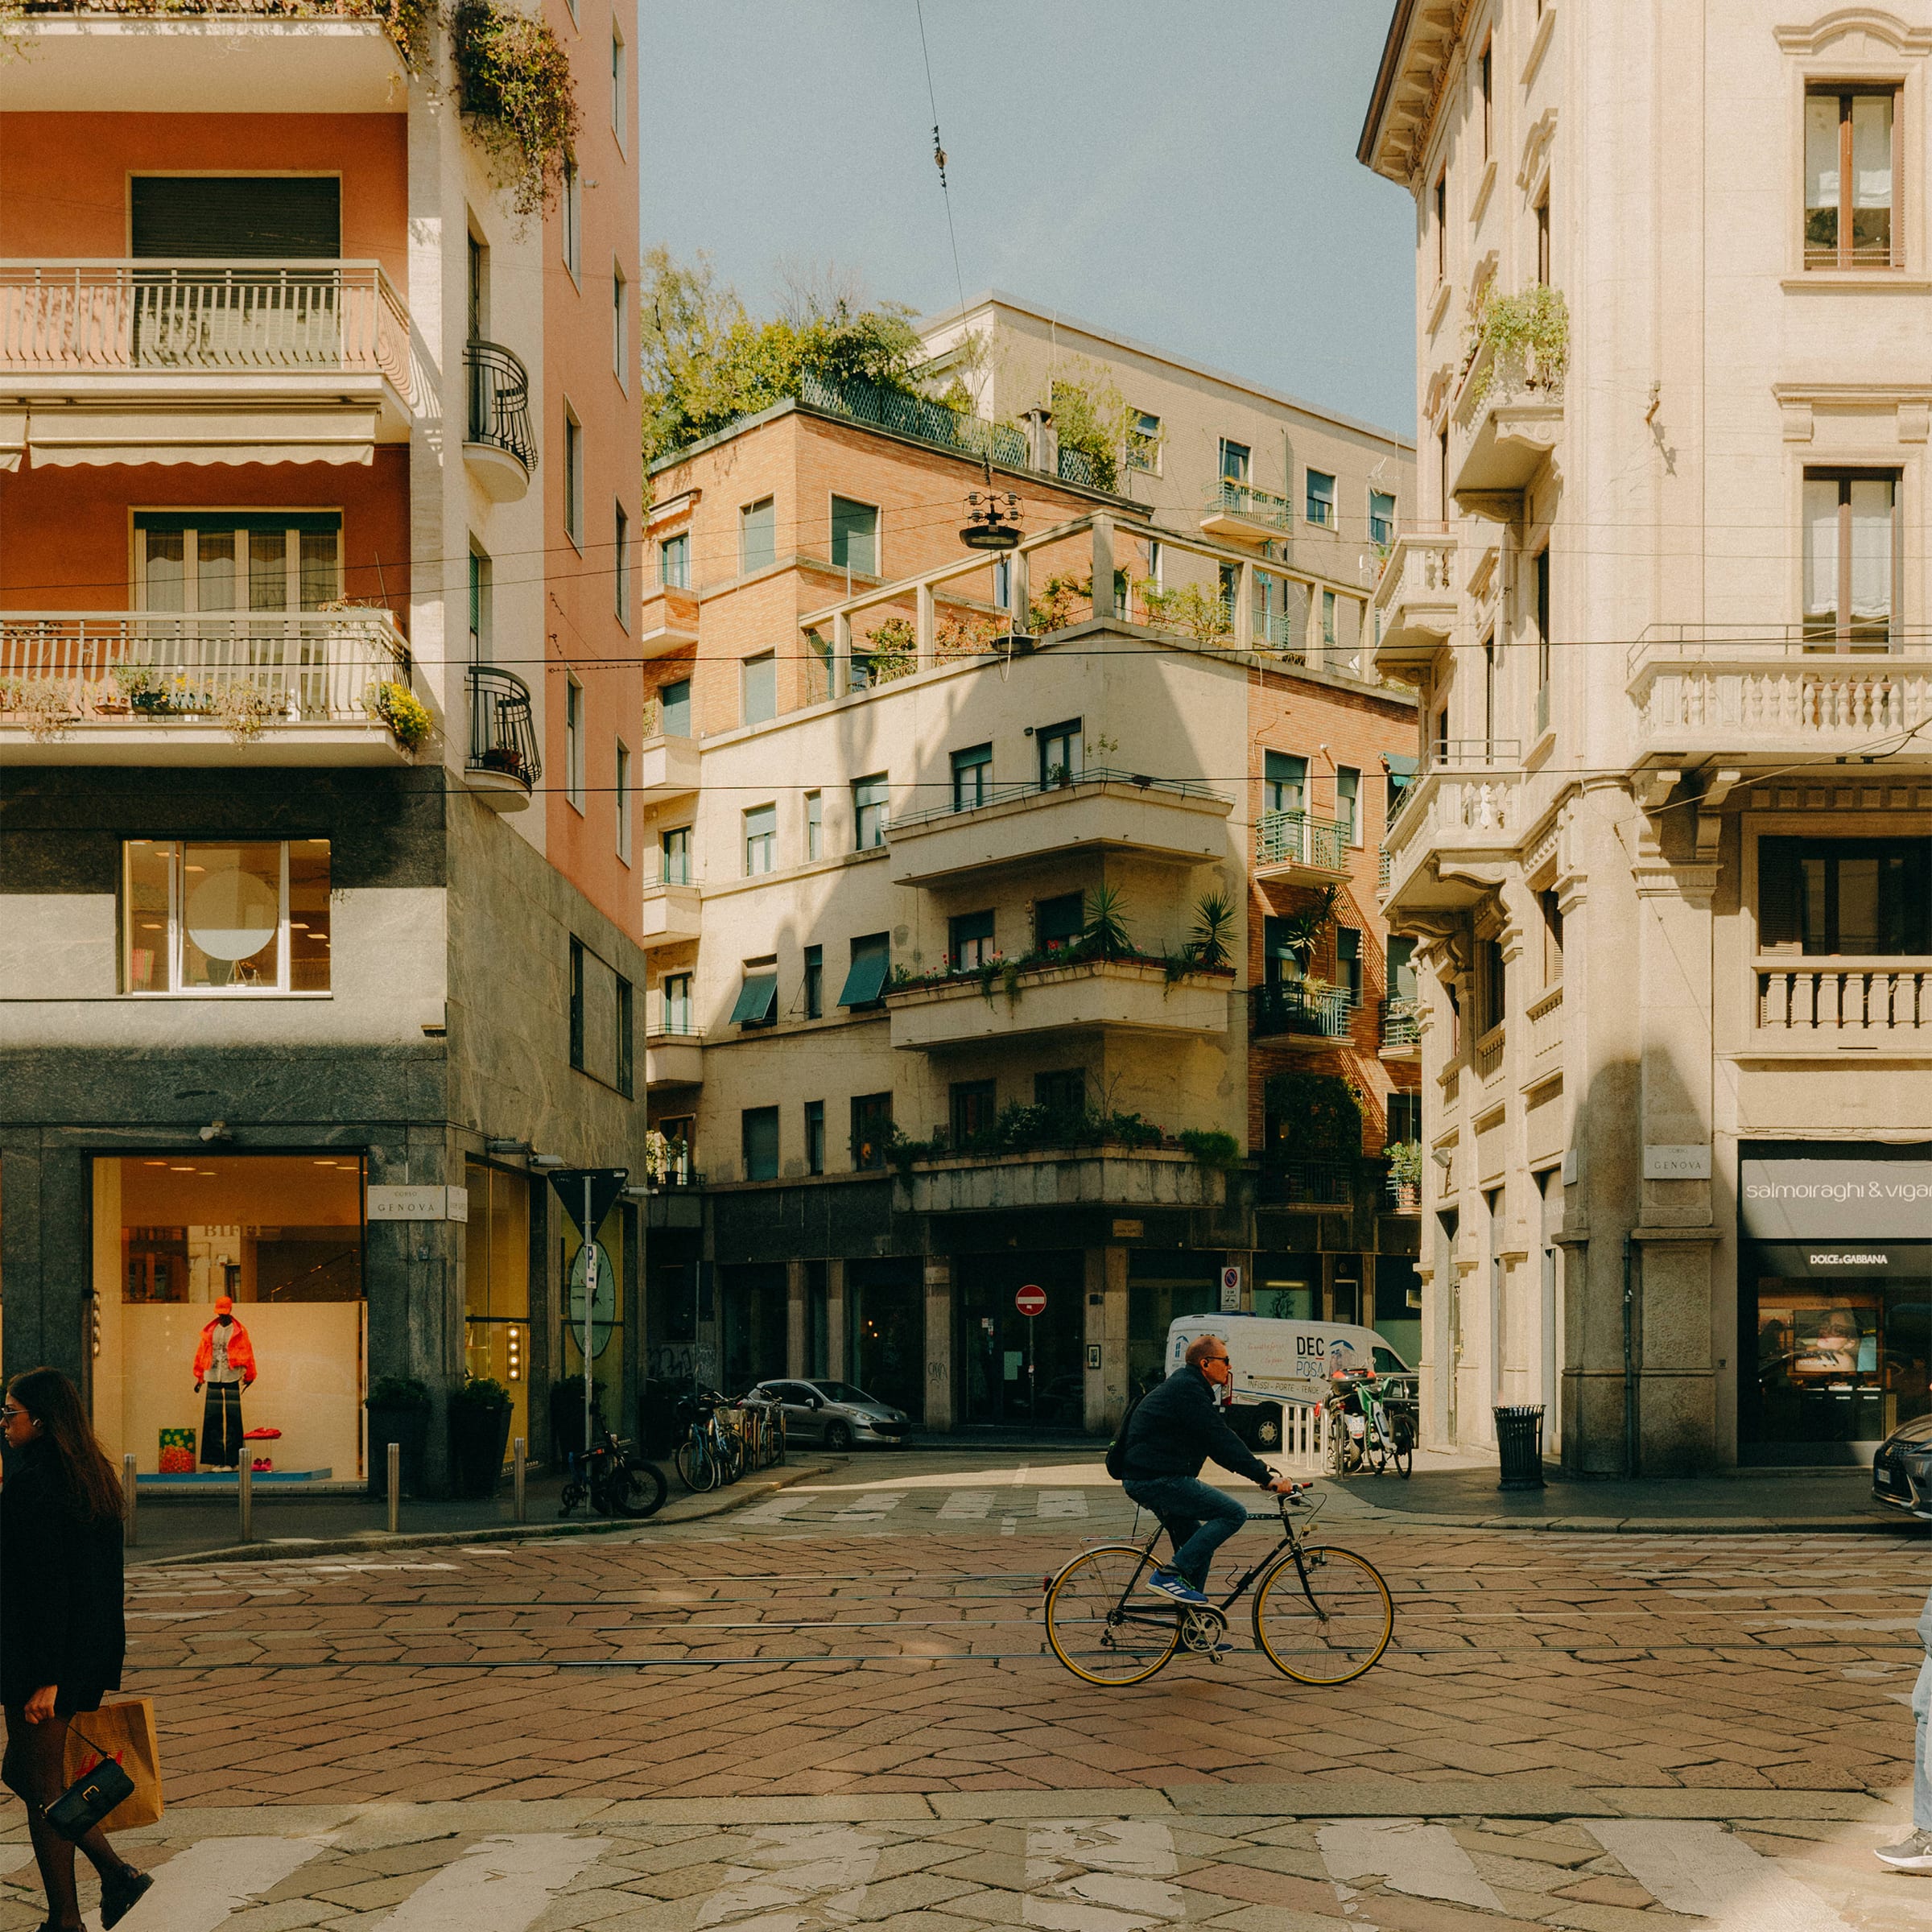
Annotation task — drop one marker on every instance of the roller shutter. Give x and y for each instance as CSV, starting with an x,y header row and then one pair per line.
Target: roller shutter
x,y
230,217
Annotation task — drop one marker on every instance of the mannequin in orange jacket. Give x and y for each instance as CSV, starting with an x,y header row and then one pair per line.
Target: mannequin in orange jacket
x,y
226,1362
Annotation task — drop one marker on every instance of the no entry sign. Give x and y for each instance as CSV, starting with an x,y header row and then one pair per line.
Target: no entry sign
x,y
1031,1300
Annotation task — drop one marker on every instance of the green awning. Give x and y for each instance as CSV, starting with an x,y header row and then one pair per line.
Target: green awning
x,y
1399,767
866,980
756,999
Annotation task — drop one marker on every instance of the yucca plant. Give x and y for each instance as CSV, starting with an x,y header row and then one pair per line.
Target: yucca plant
x,y
1213,931
1104,935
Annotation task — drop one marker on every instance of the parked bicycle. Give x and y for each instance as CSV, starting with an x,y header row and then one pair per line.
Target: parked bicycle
x,y
711,1453
762,1426
615,1478
1322,1614
1369,1425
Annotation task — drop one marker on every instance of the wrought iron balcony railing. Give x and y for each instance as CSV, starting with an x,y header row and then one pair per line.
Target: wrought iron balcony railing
x,y
1253,504
1293,838
1294,1007
1285,1181
1399,1026
499,401
502,729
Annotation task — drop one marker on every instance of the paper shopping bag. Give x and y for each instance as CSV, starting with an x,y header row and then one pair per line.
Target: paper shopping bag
x,y
124,1731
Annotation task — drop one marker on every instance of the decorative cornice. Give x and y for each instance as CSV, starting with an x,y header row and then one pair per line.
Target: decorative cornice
x,y
1818,34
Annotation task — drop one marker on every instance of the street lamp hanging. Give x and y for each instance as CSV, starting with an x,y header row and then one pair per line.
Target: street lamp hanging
x,y
992,521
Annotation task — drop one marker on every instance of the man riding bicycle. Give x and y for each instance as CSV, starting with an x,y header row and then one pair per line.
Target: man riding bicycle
x,y
1176,1428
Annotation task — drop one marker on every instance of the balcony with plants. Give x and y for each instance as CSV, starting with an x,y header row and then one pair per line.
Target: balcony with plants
x,y
326,687
503,762
1403,1182
1508,414
1311,1142
1099,980
1401,1031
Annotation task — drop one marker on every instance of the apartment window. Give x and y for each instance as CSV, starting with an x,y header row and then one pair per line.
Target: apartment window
x,y
1348,962
1329,624
1489,697
1399,775
1485,95
479,607
868,803
1002,580
1490,985
759,1132
620,327
620,91
757,536
674,708
1401,966
1058,923
758,688
1404,1117
815,1136
1320,506
1280,962
814,987
1063,1090
1851,557
1852,162
621,795
676,999
1439,202
1059,753
1144,442
760,840
871,1130
220,561
620,544
626,1067
1442,471
1284,782
573,741
674,562
1542,211
1552,910
674,848
573,476
1349,801
1381,517
855,536
1542,619
235,917
573,211
1868,898
975,1103
601,1016
866,977
815,825
1234,458
969,940
971,777
757,1000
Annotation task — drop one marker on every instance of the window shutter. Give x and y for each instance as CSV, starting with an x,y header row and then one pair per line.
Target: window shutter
x,y
1780,923
237,217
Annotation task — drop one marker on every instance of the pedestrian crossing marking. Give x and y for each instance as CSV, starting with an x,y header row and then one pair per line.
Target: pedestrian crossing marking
x,y
1423,1860
966,1505
796,1876
199,1888
1062,1502
776,1510
1700,1867
870,1509
1119,1883
500,1885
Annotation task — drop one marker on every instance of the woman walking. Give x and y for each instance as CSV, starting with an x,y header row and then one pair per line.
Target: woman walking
x,y
62,1634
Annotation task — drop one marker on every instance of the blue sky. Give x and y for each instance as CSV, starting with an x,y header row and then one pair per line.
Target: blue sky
x,y
1180,171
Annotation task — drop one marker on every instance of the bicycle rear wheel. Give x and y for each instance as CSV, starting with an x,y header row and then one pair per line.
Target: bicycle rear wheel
x,y
635,1489
1333,1630
696,1471
1097,1626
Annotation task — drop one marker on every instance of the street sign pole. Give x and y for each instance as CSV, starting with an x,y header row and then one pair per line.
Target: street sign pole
x,y
1033,1385
586,1194
590,1304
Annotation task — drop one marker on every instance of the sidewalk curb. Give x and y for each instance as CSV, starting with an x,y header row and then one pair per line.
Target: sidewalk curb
x,y
683,1509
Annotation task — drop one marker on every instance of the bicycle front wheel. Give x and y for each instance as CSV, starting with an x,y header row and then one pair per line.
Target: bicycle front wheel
x,y
635,1489
1098,1627
1331,1630
694,1469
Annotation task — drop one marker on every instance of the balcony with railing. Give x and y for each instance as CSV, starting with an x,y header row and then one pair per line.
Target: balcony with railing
x,y
1508,414
674,1052
1296,1013
670,916
987,828
1092,996
1830,1004
319,349
1295,846
1401,1029
1772,695
1467,801
505,760
1415,598
499,445
667,761
668,621
307,687
1288,1182
1240,512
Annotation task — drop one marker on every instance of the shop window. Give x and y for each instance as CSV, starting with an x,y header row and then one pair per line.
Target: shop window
x,y
1058,923
974,1104
235,918
871,1128
496,1285
760,1133
603,1316
1063,1090
1858,897
281,1234
969,940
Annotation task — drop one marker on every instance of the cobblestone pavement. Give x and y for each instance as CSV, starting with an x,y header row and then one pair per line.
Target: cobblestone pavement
x,y
834,1708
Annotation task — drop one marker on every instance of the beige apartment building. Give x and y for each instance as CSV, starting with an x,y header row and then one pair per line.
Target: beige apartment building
x,y
1664,602
900,1070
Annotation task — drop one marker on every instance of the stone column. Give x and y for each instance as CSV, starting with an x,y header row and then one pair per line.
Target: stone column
x,y
1103,567
939,1342
926,627
834,1319
797,1313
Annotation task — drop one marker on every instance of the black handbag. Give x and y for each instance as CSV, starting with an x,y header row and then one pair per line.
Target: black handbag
x,y
88,1799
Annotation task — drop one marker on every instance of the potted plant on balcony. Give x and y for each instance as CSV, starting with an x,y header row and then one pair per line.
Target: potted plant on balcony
x,y
1405,1160
245,710
506,758
479,1434
398,1408
399,708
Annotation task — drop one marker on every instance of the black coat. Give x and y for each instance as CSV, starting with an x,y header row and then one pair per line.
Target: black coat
x,y
1177,1427
60,1589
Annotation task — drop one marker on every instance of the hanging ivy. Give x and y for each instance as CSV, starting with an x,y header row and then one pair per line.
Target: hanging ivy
x,y
1315,1116
514,79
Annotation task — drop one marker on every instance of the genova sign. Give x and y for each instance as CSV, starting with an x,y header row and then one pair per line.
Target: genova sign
x,y
1850,1203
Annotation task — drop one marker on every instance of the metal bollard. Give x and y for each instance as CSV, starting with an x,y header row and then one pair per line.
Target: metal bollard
x,y
244,1490
518,1469
395,1486
129,1496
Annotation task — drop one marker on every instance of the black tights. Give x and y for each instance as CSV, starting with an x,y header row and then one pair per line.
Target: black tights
x,y
35,1770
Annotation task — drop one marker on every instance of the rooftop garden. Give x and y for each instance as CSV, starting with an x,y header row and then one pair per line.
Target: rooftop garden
x,y
1022,1130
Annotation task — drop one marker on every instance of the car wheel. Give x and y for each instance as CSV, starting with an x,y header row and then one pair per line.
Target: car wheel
x,y
838,1435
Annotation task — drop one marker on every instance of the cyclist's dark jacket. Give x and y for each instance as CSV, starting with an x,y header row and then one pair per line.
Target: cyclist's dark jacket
x,y
1177,1427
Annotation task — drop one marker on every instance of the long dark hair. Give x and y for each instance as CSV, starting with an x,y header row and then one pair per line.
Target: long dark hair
x,y
54,1403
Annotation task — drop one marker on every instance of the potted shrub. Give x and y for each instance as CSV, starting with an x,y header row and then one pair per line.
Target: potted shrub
x,y
479,1434
399,1412
567,1417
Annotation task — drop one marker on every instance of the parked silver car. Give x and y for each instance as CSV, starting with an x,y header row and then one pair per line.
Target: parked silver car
x,y
835,1414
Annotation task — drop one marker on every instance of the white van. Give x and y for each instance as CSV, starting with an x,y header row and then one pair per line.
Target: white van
x,y
1290,1361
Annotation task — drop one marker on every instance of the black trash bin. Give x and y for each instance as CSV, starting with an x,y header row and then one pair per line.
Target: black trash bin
x,y
1519,1441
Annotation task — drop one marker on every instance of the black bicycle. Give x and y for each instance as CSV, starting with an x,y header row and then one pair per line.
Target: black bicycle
x,y
617,1480
1322,1615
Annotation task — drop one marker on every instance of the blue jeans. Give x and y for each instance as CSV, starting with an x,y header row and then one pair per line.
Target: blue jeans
x,y
1922,1780
1198,1517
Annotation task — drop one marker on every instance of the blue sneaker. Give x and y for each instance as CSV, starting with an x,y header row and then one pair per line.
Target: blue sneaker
x,y
1179,1588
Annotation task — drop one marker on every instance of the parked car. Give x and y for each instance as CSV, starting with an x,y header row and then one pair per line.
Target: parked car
x,y
835,1414
1902,1469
